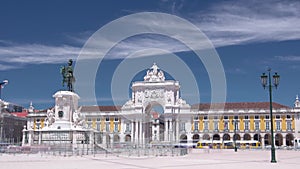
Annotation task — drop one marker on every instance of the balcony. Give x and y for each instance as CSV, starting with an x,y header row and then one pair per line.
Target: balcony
x,y
127,132
195,131
216,131
226,131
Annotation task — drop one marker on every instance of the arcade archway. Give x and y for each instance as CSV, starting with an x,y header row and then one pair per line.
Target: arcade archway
x,y
154,122
128,138
183,138
247,137
216,137
226,137
267,139
289,139
236,137
257,137
278,139
206,137
196,138
116,138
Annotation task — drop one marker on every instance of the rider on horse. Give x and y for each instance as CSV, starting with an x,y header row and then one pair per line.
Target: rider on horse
x,y
67,73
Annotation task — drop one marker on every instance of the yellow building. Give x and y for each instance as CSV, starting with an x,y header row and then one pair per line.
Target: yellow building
x,y
156,113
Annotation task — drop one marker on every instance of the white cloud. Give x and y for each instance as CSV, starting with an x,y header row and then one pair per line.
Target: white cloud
x,y
239,22
6,67
226,23
127,47
288,58
35,54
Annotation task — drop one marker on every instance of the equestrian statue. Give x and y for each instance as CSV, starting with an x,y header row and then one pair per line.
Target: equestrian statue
x,y
68,78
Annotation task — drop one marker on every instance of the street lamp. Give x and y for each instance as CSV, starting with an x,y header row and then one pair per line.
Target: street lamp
x,y
234,136
2,104
2,84
264,82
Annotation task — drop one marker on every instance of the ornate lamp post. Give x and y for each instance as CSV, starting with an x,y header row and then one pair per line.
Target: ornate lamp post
x,y
234,136
264,81
1,106
2,84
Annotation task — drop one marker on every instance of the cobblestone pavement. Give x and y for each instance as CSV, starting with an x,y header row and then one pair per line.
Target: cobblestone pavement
x,y
222,159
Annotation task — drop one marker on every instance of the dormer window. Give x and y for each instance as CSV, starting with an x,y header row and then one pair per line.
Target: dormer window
x,y
267,117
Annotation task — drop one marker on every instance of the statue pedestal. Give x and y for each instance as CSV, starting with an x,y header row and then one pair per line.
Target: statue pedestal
x,y
66,103
61,125
65,128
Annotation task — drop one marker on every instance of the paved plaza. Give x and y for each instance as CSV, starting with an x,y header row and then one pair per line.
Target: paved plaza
x,y
195,159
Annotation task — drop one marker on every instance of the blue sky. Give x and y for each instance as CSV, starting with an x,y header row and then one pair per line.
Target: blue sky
x,y
36,38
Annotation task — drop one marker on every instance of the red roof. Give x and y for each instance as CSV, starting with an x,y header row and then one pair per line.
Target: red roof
x,y
24,113
100,108
239,106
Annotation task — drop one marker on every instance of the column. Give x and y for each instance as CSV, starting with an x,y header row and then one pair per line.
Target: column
x,y
171,131
74,141
143,126
104,138
111,136
166,131
40,137
30,132
133,131
136,132
131,128
133,96
23,136
177,130
140,133
92,141
143,133
283,141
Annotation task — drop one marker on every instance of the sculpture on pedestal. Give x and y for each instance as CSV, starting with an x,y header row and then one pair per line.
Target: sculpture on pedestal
x,y
154,74
50,117
78,118
67,73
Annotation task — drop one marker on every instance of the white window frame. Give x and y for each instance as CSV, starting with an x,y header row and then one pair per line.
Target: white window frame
x,y
246,125
107,127
278,125
182,126
205,125
267,125
289,125
216,125
116,127
226,125
196,125
128,127
256,125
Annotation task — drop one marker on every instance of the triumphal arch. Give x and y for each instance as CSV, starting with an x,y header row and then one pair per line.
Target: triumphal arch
x,y
154,108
